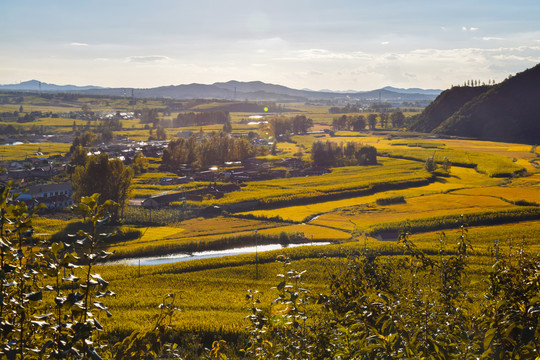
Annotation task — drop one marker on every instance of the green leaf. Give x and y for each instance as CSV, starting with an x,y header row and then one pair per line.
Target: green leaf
x,y
100,305
100,280
94,355
71,278
41,324
34,296
488,337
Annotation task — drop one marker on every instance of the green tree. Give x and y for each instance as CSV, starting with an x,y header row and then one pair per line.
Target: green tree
x,y
398,119
446,165
78,158
273,151
242,149
227,127
108,177
161,134
372,121
87,139
140,163
430,165
384,119
63,324
301,124
107,136
149,116
358,123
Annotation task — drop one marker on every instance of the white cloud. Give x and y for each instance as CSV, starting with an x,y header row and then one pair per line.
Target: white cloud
x,y
428,67
474,29
147,59
385,42
78,44
488,38
323,54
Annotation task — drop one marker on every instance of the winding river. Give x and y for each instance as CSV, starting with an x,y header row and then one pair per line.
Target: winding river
x,y
159,260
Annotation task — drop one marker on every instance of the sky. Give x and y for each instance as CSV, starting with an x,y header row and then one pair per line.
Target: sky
x,y
330,44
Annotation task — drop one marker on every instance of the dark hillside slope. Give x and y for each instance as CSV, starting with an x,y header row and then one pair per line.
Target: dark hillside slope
x,y
444,106
509,111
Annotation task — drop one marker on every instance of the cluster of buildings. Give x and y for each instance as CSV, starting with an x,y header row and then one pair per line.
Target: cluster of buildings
x,y
35,174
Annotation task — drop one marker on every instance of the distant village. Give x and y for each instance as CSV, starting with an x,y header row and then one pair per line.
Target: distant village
x,y
36,173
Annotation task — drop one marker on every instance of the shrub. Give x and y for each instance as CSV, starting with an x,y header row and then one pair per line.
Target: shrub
x,y
391,200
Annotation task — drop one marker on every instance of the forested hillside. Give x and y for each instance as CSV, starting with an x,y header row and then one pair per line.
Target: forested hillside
x,y
505,112
445,105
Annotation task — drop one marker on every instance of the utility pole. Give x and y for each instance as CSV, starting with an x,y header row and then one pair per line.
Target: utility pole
x,y
256,257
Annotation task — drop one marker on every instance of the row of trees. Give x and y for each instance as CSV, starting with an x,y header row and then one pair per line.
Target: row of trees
x,y
215,149
283,127
201,118
359,122
349,108
331,154
354,123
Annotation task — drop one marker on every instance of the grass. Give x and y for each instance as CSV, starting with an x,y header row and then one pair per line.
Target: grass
x,y
311,232
189,234
491,164
224,281
22,151
367,215
341,182
211,292
460,178
484,238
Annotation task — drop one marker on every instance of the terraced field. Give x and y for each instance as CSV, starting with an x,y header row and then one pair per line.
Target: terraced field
x,y
488,182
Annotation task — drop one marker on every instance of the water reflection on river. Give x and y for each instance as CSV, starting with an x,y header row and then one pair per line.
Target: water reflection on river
x,y
205,254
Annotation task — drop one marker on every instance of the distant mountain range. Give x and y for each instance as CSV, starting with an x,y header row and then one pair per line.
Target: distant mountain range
x,y
508,111
35,85
235,90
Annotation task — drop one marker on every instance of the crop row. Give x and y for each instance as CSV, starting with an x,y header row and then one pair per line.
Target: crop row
x,y
340,183
490,164
493,217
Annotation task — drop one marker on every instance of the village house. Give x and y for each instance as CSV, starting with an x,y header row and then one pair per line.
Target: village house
x,y
54,196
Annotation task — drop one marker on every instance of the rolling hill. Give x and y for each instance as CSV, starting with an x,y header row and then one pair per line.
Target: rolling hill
x,y
235,90
508,111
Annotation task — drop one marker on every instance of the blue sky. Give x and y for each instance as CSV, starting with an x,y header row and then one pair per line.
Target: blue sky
x,y
338,45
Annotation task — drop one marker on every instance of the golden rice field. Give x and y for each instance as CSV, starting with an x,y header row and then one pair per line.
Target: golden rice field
x,y
361,217
458,179
210,300
484,238
340,182
196,232
211,292
310,231
22,151
510,193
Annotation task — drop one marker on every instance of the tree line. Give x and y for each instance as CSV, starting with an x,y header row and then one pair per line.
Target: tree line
x,y
331,154
201,118
359,122
349,108
202,152
283,127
